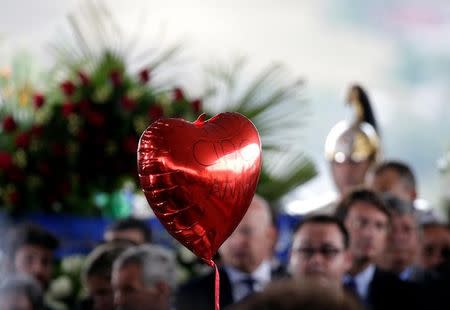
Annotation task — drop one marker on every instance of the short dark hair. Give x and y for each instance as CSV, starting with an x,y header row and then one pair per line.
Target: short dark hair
x,y
402,169
360,194
100,261
132,223
29,234
326,219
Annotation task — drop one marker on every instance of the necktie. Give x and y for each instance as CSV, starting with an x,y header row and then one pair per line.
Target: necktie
x,y
250,284
350,284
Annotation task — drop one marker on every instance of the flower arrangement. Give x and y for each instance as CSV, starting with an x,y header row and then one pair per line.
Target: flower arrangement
x,y
82,137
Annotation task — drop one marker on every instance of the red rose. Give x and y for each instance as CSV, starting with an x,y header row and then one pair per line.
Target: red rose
x,y
23,140
68,87
37,130
130,144
96,119
15,174
155,112
83,78
196,105
84,106
58,149
38,100
178,94
5,161
116,78
127,103
44,168
67,108
144,75
82,135
9,124
14,197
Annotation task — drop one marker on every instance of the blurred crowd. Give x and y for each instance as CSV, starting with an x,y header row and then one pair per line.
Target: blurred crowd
x,y
371,249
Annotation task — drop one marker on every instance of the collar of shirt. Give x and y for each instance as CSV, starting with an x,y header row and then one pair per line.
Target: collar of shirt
x,y
362,281
261,275
407,273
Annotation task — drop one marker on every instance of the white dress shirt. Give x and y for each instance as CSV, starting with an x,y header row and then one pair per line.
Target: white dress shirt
x,y
363,280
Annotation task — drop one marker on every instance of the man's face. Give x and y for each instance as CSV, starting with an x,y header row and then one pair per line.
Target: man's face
x,y
403,243
133,235
35,261
15,301
100,290
389,181
368,228
435,247
251,242
131,293
349,174
318,251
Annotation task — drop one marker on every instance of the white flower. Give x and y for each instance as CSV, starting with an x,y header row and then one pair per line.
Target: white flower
x,y
72,264
61,287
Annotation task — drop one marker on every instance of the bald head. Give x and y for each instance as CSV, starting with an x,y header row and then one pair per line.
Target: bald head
x,y
252,241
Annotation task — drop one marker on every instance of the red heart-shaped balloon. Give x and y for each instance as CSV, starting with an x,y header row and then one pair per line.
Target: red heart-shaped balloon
x,y
199,178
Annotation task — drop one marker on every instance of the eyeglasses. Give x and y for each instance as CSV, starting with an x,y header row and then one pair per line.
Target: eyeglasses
x,y
326,251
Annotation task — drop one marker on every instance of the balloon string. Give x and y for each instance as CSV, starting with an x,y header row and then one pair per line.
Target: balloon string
x,y
217,284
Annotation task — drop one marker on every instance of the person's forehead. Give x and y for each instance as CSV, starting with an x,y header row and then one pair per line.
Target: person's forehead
x,y
367,209
319,232
128,272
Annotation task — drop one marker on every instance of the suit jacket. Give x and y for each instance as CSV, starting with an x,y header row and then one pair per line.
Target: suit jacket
x,y
198,294
387,291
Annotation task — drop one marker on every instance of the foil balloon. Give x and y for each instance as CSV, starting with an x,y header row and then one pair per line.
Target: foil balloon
x,y
199,178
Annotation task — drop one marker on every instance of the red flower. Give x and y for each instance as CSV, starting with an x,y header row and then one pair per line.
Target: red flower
x,y
14,197
196,105
144,75
178,94
82,135
116,78
155,112
23,140
9,124
15,174
83,78
37,130
67,108
96,119
84,106
44,168
68,87
5,161
38,100
130,144
58,149
127,103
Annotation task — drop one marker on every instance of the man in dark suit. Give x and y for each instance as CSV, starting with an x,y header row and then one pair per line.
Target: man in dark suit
x,y
246,265
368,220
